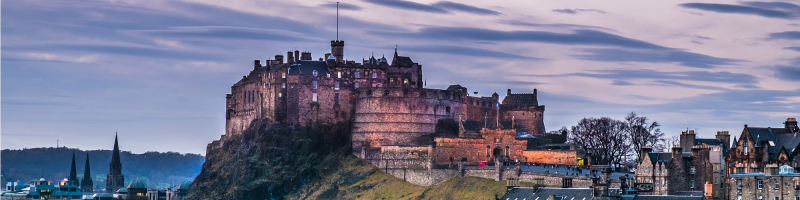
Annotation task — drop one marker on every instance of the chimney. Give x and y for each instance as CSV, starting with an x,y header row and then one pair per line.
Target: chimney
x,y
535,97
305,55
279,58
337,49
725,138
296,56
791,124
509,92
289,57
687,140
257,64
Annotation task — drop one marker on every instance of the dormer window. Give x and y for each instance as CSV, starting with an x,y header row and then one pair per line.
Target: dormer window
x,y
314,72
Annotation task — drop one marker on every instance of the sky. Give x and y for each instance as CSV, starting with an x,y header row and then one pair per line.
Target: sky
x,y
156,72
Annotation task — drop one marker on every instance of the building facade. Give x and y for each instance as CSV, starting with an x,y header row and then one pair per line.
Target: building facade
x,y
773,183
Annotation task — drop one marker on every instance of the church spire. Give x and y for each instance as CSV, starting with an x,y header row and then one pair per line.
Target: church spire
x,y
115,180
87,185
115,155
73,175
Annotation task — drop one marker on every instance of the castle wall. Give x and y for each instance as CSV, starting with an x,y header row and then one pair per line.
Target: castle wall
x,y
531,118
493,142
562,157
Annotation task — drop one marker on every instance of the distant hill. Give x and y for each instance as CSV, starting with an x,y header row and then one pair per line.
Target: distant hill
x,y
159,170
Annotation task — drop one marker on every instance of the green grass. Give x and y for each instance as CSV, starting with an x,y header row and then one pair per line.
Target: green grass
x,y
355,178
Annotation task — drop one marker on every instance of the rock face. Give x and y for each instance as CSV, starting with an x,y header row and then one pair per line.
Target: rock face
x,y
267,161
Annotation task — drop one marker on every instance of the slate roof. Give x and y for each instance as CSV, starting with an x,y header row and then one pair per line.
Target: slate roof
x,y
404,61
521,100
565,193
780,137
667,197
519,193
472,126
658,156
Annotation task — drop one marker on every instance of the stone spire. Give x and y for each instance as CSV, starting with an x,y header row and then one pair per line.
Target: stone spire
x,y
87,185
115,180
73,174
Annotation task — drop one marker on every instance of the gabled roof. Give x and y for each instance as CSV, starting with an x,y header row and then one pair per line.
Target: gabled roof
x,y
774,139
659,156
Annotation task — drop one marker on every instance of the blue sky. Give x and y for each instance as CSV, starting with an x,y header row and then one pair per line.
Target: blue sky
x,y
158,71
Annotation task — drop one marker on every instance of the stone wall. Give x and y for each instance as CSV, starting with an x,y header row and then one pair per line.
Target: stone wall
x,y
562,157
492,143
787,187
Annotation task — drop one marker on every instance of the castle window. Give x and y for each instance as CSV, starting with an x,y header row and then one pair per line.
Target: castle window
x,y
314,97
374,85
691,184
280,94
283,85
355,85
283,74
339,75
336,87
375,75
447,110
314,84
358,75
314,72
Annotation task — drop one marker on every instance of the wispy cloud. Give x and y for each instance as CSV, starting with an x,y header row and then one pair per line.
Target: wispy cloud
x,y
752,9
577,11
442,7
343,6
655,56
788,35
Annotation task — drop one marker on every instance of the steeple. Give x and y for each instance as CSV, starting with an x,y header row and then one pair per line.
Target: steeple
x,y
73,175
115,155
87,185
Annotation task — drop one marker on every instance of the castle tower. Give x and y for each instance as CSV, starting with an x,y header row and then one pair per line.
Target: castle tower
x,y
115,180
87,185
337,49
73,175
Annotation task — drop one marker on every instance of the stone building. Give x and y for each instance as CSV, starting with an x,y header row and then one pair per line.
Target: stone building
x,y
773,183
694,165
758,146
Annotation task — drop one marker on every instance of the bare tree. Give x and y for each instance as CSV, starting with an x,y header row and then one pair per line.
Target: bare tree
x,y
667,143
604,137
642,133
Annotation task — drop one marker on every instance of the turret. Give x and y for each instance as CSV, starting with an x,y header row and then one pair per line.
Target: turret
x,y
337,50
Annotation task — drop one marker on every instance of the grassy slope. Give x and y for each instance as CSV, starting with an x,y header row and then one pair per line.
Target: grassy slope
x,y
354,178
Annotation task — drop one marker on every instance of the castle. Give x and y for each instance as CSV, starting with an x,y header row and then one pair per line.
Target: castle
x,y
392,116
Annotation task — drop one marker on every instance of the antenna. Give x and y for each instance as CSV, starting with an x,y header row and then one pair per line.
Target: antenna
x,y
337,21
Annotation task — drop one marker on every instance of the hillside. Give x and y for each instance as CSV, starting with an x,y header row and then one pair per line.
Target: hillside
x,y
157,169
278,162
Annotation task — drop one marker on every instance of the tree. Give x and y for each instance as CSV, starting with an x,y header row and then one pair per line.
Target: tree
x,y
604,137
642,133
668,143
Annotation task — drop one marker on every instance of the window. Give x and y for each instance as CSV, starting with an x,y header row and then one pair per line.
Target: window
x,y
336,87
339,75
739,197
777,184
691,170
355,85
375,75
760,197
280,94
283,74
358,75
760,184
314,72
314,97
314,84
447,110
336,98
374,85
739,184
776,198
745,148
283,85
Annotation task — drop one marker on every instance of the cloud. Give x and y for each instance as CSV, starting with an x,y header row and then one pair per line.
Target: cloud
x,y
629,74
655,56
560,26
792,48
576,11
621,82
577,37
788,35
227,32
739,9
343,6
789,73
464,8
442,7
467,51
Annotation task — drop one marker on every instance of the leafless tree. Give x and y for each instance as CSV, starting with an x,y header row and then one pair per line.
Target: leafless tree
x,y
604,137
667,143
642,133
